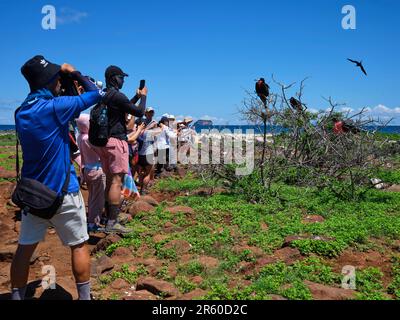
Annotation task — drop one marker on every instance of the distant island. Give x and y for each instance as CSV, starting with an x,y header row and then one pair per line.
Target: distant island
x,y
203,123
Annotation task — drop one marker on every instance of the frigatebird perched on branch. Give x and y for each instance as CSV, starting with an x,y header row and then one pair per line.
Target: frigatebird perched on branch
x,y
296,104
262,90
359,64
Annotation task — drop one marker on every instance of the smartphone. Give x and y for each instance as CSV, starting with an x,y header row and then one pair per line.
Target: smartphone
x,y
142,84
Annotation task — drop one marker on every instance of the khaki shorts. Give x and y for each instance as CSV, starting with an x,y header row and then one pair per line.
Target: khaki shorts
x,y
114,157
69,222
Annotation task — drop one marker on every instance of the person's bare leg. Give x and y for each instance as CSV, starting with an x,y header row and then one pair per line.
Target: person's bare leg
x,y
114,194
147,177
81,269
114,197
20,270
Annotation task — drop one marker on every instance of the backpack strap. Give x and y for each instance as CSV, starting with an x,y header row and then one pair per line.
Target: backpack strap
x,y
110,93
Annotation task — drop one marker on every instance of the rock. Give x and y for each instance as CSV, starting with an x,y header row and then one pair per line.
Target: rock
x,y
150,200
288,255
44,258
181,172
197,280
118,284
122,252
313,219
140,295
261,262
394,188
238,249
209,262
11,204
288,240
169,227
377,183
194,295
35,256
6,255
276,297
159,238
140,207
7,174
104,243
11,241
323,292
149,262
157,287
17,226
245,267
180,209
186,258
181,246
101,265
172,271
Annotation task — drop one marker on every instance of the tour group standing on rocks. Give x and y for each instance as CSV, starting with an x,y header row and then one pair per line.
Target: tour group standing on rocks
x,y
114,148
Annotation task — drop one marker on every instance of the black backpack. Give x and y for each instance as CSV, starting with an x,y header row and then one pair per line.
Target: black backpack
x,y
99,132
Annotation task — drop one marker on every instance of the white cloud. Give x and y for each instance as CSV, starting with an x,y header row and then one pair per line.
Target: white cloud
x,y
346,110
384,113
68,15
379,112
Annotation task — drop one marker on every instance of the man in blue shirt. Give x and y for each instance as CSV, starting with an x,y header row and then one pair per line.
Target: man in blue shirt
x,y
42,126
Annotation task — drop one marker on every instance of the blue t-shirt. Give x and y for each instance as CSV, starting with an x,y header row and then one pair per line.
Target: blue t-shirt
x,y
42,126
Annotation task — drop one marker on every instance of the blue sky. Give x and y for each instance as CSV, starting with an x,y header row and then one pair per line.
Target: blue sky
x,y
199,57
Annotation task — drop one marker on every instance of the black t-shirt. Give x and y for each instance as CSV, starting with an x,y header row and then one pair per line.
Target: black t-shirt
x,y
118,106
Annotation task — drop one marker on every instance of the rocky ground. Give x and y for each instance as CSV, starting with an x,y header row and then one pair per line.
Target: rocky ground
x,y
136,272
195,241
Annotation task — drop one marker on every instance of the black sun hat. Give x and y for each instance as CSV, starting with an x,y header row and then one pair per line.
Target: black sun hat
x,y
114,71
39,71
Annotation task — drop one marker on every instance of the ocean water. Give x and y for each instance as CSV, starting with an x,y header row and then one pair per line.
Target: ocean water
x,y
243,128
258,130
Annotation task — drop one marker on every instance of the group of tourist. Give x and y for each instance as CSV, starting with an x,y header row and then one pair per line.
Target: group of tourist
x,y
138,148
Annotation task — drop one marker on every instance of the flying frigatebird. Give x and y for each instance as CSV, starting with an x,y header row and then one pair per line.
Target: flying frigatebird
x,y
359,64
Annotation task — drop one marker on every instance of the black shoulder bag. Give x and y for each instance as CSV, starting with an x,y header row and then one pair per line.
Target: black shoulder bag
x,y
33,196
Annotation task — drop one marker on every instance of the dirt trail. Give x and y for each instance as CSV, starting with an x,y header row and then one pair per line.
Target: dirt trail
x,y
49,252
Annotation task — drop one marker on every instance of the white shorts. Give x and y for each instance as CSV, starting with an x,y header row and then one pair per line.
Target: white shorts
x,y
69,222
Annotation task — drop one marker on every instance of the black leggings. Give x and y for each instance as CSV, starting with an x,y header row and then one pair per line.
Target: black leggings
x,y
162,159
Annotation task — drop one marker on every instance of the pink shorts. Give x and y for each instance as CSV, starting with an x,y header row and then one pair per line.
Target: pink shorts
x,y
114,157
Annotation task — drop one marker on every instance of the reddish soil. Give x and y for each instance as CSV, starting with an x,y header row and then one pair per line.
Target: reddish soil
x,y
52,252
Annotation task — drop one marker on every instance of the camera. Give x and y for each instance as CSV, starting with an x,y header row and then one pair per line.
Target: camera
x,y
69,87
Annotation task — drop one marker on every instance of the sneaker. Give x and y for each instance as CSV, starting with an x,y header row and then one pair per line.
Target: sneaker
x,y
124,218
117,228
103,221
94,228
